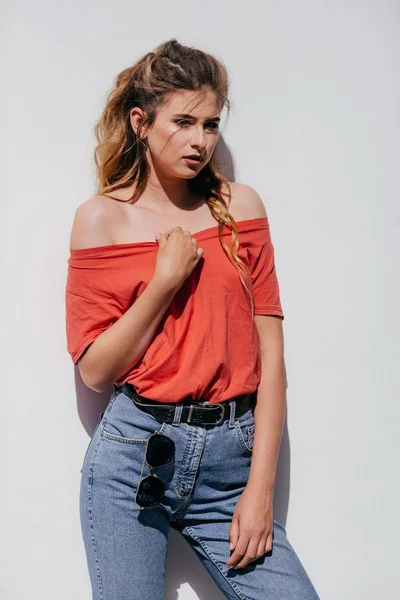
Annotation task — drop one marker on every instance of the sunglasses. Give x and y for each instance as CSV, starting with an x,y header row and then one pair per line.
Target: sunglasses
x,y
159,451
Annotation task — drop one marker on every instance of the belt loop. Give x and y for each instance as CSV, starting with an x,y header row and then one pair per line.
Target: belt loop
x,y
231,423
178,414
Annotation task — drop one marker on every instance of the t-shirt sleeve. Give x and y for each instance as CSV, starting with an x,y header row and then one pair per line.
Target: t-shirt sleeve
x,y
91,306
265,285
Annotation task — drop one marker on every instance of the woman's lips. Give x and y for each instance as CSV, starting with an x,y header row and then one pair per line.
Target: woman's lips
x,y
192,161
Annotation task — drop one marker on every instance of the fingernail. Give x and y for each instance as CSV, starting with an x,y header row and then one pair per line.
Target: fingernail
x,y
231,546
157,235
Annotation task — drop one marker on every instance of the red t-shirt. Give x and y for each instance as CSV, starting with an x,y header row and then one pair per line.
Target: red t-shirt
x,y
207,344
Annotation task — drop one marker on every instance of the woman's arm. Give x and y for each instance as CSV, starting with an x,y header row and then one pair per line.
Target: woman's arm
x,y
117,349
269,413
251,530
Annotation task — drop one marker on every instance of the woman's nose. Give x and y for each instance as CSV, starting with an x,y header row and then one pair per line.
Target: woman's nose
x,y
199,139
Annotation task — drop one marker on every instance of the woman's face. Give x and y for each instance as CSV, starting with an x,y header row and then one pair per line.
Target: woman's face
x,y
187,124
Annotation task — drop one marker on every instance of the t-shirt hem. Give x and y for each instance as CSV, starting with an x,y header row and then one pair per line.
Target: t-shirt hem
x,y
76,354
268,310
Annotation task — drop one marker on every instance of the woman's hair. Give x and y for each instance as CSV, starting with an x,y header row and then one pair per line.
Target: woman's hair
x,y
120,153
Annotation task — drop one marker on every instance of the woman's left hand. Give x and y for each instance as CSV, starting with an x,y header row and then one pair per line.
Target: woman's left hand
x,y
252,526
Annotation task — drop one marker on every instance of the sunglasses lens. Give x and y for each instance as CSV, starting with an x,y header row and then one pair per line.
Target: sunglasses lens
x,y
150,491
160,449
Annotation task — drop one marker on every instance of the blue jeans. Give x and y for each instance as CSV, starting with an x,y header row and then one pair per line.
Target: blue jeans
x,y
126,547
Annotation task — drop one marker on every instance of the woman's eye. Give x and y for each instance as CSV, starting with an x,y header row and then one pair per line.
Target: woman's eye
x,y
185,123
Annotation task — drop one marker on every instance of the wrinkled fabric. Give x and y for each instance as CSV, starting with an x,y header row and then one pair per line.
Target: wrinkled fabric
x,y
206,345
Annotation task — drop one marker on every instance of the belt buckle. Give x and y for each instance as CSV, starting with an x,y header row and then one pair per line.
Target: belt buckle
x,y
191,408
222,413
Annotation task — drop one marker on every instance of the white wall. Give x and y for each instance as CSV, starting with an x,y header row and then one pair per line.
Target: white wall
x,y
315,130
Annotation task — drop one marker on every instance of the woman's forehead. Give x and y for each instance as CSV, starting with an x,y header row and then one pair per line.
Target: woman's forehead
x,y
197,104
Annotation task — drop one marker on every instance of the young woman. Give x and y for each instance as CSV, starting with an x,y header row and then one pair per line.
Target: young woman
x,y
172,300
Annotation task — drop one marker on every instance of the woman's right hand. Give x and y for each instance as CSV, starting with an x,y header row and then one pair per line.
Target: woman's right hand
x,y
177,256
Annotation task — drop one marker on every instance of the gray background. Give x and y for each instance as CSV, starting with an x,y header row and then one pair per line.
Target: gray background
x,y
315,130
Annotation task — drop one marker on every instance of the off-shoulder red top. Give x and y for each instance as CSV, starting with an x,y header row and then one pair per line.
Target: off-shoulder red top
x,y
207,344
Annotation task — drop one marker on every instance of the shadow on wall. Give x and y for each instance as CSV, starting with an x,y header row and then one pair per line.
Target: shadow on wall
x,y
186,576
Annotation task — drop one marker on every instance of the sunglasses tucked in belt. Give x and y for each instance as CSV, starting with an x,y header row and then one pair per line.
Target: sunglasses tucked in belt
x,y
160,448
159,451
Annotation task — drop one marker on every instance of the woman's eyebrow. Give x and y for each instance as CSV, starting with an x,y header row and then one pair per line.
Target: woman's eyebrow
x,y
186,116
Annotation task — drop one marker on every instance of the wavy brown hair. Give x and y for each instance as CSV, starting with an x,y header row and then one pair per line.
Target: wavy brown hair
x,y
120,153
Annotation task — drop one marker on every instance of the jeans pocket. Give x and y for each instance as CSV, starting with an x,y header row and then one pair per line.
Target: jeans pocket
x,y
91,439
244,428
126,423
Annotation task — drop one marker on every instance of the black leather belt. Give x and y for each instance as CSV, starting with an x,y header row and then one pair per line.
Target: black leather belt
x,y
198,413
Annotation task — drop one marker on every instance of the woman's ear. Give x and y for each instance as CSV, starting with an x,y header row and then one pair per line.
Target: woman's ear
x,y
136,117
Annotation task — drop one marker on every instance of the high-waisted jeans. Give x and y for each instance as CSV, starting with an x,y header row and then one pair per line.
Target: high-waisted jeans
x,y
126,547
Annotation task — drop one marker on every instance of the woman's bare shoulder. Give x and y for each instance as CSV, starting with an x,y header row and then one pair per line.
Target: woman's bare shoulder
x,y
93,223
246,202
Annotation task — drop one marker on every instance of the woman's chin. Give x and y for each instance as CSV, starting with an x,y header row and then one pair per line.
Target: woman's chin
x,y
187,172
